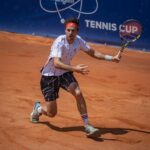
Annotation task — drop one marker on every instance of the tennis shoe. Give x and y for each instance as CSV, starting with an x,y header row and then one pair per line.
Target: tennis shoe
x,y
34,117
91,131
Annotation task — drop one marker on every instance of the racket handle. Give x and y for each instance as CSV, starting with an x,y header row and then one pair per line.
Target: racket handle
x,y
124,46
121,50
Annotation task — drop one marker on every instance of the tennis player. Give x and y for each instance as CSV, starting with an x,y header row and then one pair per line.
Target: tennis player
x,y
58,73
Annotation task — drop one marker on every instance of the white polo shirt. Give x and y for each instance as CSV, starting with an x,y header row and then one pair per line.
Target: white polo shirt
x,y
62,49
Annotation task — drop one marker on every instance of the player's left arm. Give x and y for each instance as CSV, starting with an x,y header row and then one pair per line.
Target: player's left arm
x,y
101,56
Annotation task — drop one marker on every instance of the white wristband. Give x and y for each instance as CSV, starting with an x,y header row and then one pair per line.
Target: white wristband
x,y
108,57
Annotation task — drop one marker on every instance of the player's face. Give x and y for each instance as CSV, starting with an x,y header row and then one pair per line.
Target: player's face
x,y
71,33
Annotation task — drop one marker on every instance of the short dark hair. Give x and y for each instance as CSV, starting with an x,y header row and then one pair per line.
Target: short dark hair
x,y
72,19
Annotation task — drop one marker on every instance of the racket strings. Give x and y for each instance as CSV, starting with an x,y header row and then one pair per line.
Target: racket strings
x,y
130,30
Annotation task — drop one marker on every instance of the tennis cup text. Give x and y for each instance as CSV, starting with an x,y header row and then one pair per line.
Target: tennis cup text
x,y
101,25
128,28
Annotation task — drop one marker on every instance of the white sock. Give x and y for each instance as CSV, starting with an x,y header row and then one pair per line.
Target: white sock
x,y
39,110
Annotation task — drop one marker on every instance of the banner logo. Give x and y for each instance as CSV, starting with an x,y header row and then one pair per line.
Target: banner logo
x,y
60,6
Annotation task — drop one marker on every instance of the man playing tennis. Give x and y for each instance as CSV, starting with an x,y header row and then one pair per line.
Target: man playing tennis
x,y
58,72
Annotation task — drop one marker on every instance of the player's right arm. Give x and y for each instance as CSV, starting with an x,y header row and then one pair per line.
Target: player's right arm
x,y
101,56
81,68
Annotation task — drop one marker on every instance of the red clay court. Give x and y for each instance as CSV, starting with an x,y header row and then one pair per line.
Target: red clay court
x,y
117,96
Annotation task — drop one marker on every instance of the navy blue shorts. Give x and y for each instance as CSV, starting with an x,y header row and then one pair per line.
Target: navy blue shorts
x,y
50,85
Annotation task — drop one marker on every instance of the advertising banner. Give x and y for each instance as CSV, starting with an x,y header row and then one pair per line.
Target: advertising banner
x,y
99,19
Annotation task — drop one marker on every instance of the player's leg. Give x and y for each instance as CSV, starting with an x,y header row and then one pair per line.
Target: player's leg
x,y
50,109
50,89
70,84
74,89
81,104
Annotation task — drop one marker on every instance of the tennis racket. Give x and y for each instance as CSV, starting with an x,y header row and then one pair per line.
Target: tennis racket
x,y
129,32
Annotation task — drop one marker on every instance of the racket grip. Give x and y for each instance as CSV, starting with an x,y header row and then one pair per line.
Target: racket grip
x,y
122,48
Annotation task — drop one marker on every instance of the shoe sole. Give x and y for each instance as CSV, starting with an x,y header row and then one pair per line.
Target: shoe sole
x,y
31,119
94,134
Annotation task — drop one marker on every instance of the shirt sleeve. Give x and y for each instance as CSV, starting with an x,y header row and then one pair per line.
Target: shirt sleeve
x,y
56,49
83,45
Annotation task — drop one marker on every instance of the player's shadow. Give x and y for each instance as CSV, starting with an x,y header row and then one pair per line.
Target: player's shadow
x,y
115,131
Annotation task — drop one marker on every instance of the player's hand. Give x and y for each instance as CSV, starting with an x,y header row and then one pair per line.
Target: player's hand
x,y
81,68
116,58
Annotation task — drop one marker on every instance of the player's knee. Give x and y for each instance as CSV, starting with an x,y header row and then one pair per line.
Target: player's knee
x,y
51,114
78,92
75,90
